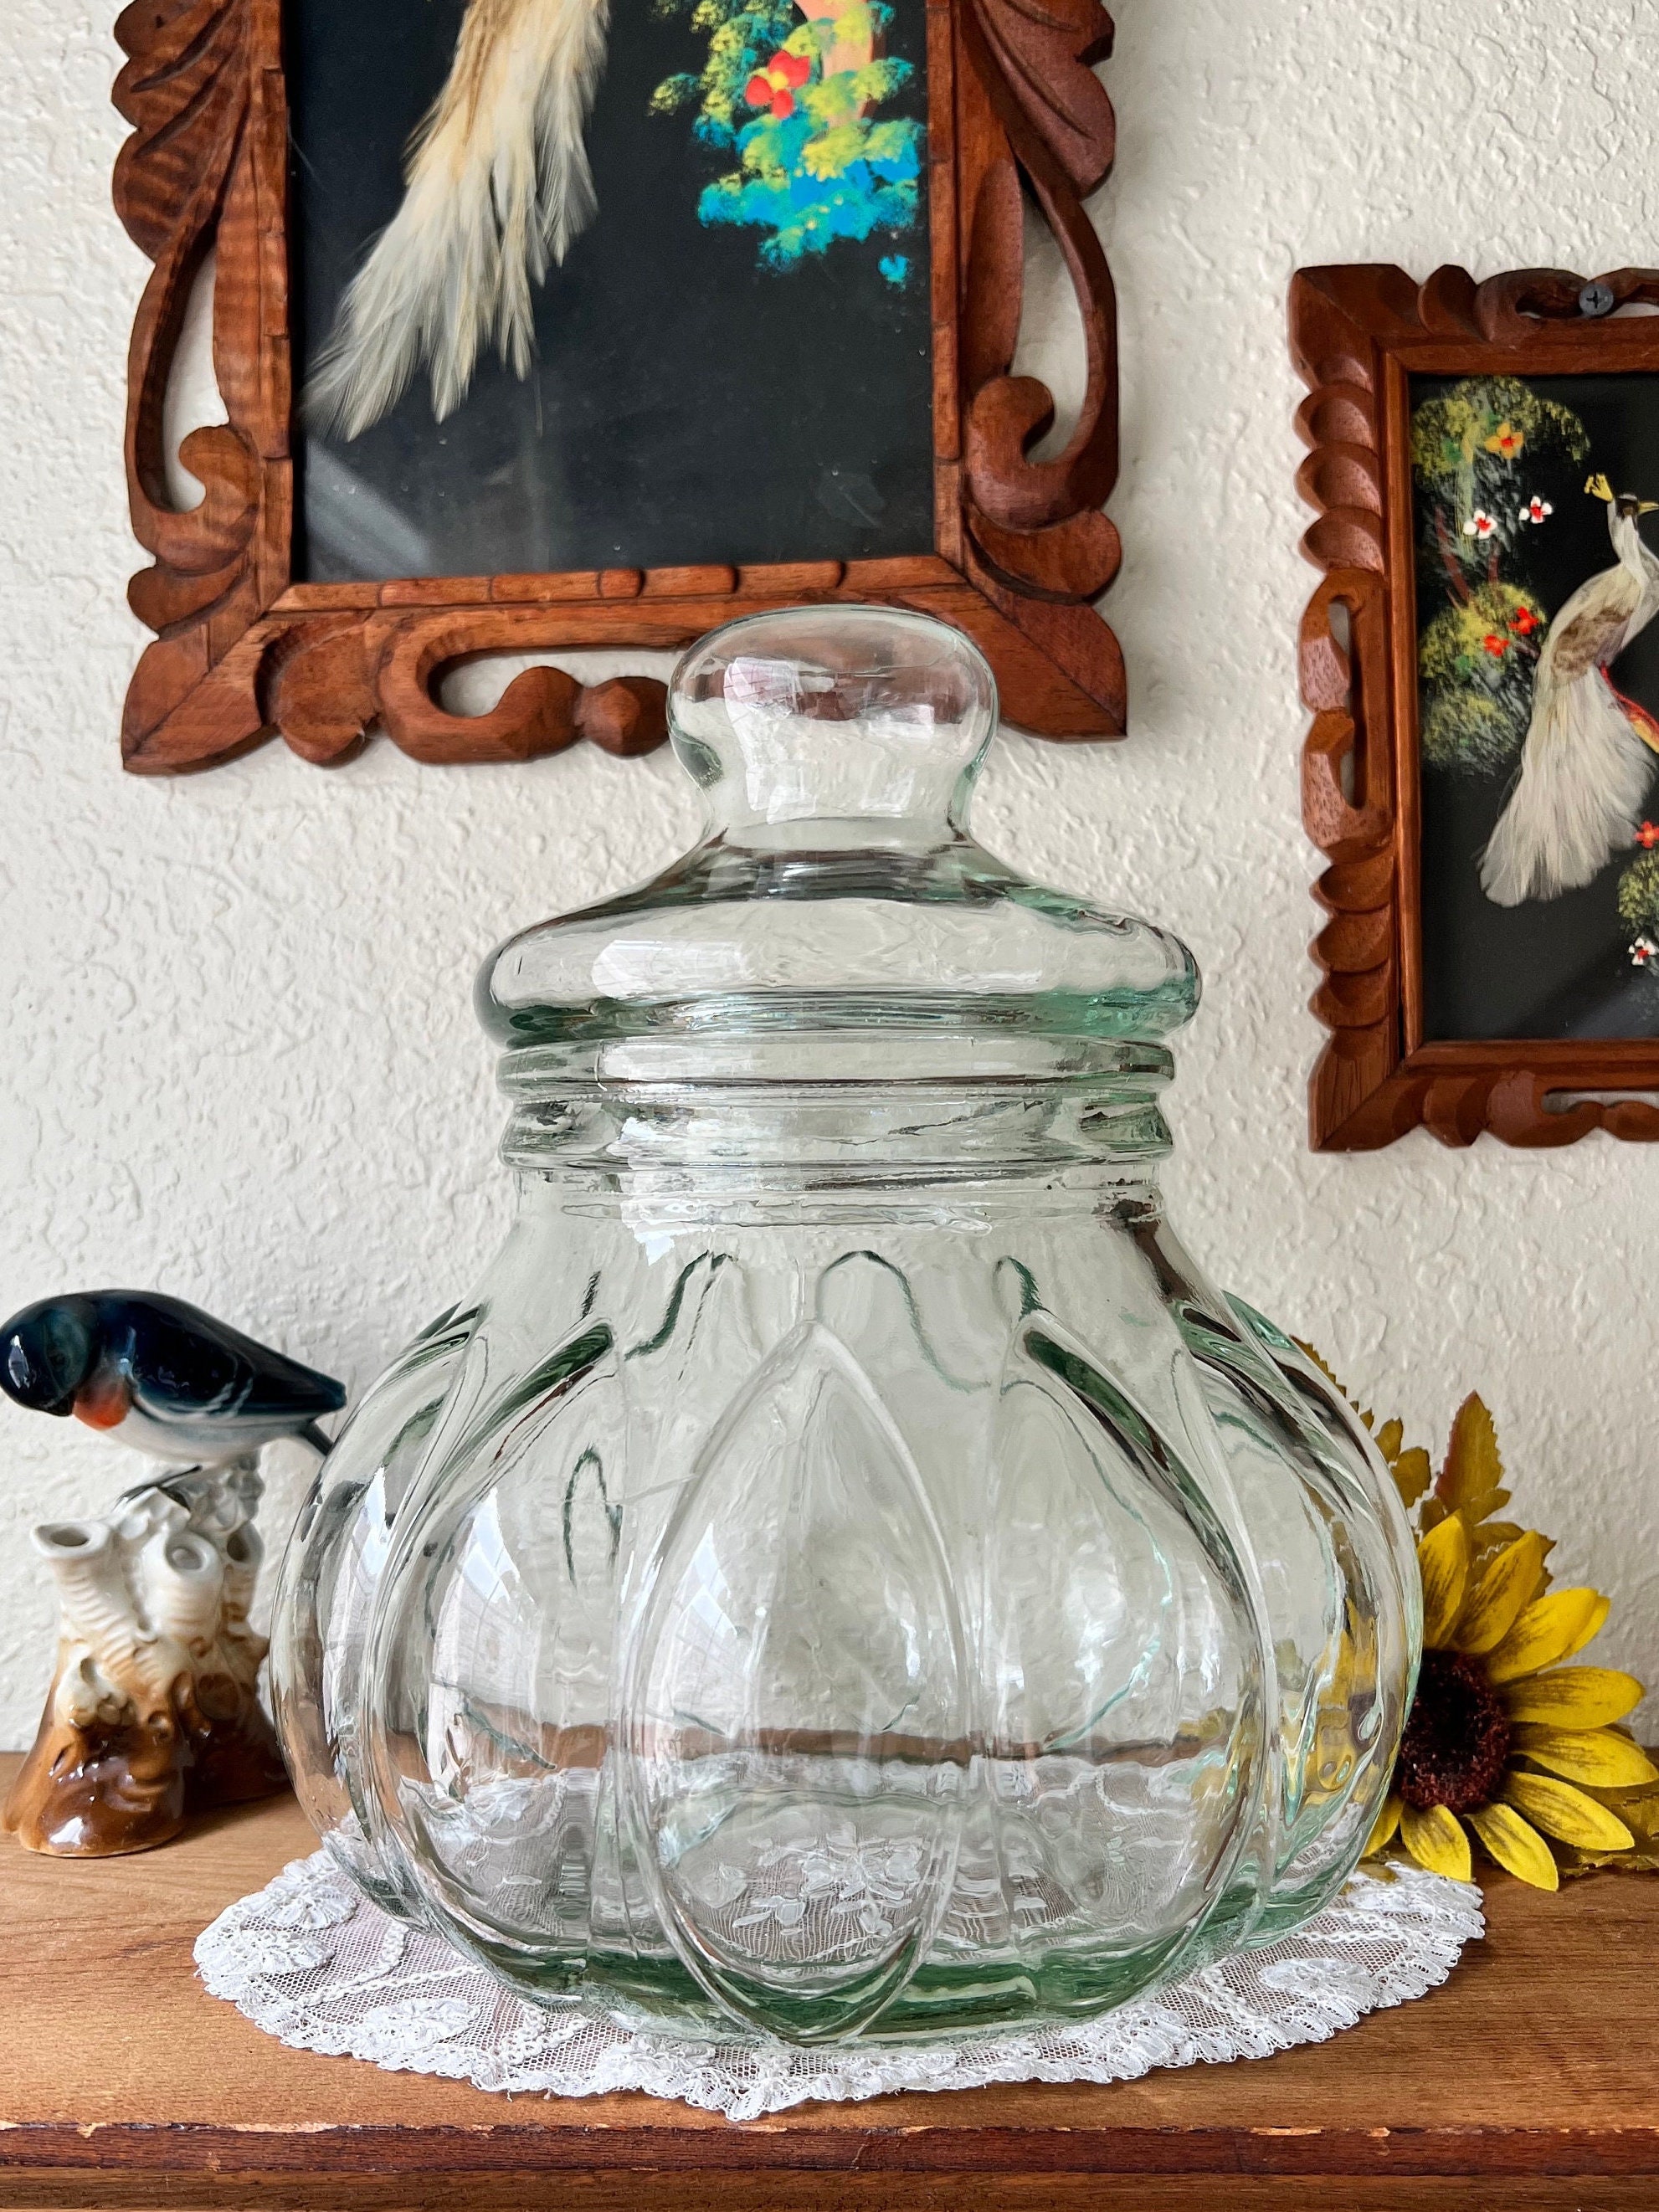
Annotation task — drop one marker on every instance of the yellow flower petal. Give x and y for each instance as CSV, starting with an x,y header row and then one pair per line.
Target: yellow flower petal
x,y
1595,1621
1382,1828
1436,1840
1546,1631
1639,1809
1472,1465
1477,1509
1573,1697
1495,1604
1601,1757
1560,1810
1489,1539
1389,1438
1516,1845
1411,1471
1442,1560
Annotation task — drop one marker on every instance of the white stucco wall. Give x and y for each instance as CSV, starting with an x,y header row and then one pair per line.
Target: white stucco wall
x,y
238,1056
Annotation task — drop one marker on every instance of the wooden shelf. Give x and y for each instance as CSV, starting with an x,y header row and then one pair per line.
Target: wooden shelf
x,y
1529,2083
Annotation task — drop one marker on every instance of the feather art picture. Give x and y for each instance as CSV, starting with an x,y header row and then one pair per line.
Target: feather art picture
x,y
1538,704
581,286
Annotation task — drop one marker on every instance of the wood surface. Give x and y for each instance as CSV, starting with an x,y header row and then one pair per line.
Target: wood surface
x,y
1357,334
1527,2083
1021,548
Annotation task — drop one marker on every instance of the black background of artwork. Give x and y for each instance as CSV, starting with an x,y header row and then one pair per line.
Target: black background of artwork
x,y
1555,968
687,405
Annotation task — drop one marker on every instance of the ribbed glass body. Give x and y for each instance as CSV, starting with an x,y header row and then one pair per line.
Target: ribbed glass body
x,y
844,1571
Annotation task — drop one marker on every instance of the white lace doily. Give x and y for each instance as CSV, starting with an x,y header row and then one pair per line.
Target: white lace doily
x,y
313,1963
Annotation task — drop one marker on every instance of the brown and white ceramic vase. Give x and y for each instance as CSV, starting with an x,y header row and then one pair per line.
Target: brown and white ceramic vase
x,y
153,1712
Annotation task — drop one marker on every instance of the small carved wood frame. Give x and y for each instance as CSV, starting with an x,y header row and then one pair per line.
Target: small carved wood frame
x,y
1021,549
1357,334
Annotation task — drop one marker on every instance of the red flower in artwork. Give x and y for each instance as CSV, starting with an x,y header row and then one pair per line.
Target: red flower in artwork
x,y
1648,835
1497,647
1524,623
776,86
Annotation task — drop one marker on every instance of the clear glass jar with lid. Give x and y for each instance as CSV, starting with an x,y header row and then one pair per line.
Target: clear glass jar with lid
x,y
845,1570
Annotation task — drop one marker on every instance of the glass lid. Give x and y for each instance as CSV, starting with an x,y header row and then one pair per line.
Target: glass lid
x,y
836,888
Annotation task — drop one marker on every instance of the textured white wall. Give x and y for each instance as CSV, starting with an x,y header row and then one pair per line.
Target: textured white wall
x,y
238,1058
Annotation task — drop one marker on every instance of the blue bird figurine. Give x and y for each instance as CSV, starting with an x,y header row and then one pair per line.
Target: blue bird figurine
x,y
153,1710
162,1376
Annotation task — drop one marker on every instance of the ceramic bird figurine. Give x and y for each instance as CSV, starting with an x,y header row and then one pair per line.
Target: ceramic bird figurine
x,y
1589,755
162,1376
153,1710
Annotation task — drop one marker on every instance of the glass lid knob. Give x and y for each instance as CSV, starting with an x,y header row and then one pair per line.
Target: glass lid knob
x,y
834,713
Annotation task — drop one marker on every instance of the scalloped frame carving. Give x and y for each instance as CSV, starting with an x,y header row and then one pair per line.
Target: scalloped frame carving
x,y
1358,333
241,653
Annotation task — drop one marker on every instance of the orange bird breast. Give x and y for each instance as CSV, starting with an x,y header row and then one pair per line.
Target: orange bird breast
x,y
103,1401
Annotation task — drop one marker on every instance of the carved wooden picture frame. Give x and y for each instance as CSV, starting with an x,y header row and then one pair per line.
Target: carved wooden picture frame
x,y
242,652
1358,336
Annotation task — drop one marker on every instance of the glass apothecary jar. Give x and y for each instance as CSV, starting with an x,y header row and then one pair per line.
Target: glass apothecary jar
x,y
845,1570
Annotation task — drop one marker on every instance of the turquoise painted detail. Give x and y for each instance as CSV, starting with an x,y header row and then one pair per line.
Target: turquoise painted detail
x,y
806,212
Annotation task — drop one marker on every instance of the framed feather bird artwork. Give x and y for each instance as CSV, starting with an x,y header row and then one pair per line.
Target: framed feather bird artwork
x,y
550,325
1482,662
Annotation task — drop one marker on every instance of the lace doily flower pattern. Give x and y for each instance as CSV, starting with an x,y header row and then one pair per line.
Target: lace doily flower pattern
x,y
401,1998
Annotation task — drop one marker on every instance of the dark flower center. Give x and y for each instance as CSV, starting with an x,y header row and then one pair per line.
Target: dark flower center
x,y
1457,1738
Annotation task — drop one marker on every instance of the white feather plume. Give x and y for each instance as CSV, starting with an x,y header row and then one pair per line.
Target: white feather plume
x,y
498,186
1578,800
1586,764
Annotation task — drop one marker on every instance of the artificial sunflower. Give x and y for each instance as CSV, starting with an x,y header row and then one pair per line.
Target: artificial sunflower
x,y
1503,1738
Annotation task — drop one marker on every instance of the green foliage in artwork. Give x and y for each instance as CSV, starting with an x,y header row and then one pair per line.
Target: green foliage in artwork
x,y
1499,415
1473,451
1638,894
741,34
1476,660
816,161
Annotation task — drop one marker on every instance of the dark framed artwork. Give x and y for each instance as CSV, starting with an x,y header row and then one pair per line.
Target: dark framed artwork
x,y
547,324
1482,663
